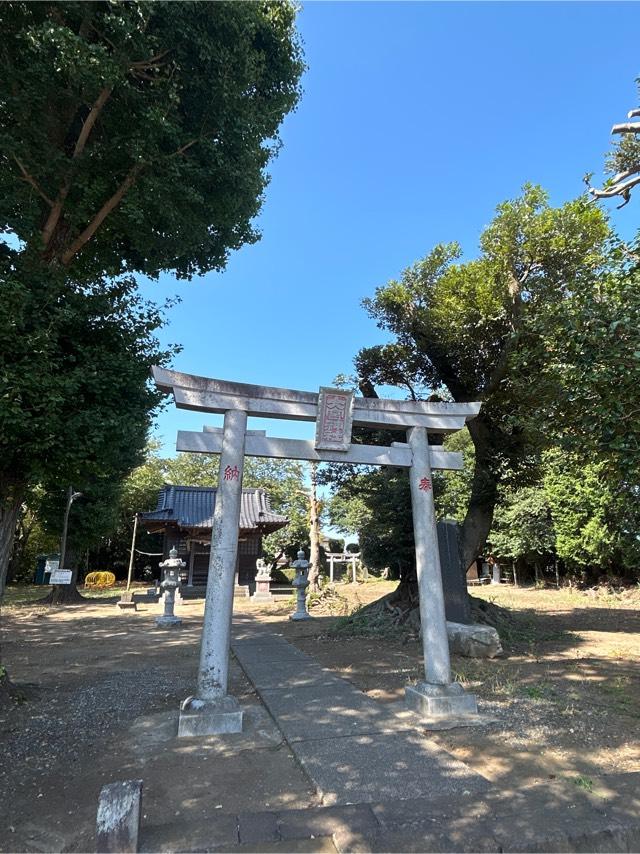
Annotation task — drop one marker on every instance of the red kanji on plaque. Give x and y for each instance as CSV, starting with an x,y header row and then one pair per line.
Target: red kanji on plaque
x,y
425,484
231,473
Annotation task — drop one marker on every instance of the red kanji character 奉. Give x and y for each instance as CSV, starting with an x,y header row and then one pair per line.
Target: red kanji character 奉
x,y
231,473
425,484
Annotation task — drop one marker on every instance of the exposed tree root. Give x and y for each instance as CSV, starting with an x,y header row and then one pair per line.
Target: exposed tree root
x,y
67,594
398,613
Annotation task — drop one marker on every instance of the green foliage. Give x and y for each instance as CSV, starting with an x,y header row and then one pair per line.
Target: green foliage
x,y
76,403
593,360
480,330
523,526
135,136
595,515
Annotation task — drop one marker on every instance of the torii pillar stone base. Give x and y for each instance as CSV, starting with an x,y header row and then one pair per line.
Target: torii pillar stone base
x,y
209,717
440,701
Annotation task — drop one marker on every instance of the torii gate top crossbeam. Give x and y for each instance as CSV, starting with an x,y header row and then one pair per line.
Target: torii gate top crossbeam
x,y
211,395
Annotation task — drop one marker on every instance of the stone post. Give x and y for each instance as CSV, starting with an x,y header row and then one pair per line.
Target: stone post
x,y
212,711
437,696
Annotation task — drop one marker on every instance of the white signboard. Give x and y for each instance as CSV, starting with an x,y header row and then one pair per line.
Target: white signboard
x,y
51,565
335,417
61,576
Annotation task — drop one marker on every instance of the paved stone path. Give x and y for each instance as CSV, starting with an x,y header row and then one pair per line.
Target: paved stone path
x,y
352,748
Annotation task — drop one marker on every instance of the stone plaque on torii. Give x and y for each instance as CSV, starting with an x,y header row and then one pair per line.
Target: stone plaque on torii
x,y
335,411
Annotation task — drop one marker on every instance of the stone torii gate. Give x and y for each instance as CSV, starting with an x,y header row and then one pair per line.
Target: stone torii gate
x,y
213,710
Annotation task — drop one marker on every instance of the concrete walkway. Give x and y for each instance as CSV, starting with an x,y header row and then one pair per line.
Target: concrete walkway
x,y
387,788
353,749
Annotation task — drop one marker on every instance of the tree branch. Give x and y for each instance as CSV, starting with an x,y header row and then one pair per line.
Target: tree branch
x,y
111,203
32,181
184,147
91,119
150,63
54,215
623,190
626,127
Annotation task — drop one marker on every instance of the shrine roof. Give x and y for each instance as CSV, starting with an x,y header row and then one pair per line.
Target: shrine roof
x,y
193,506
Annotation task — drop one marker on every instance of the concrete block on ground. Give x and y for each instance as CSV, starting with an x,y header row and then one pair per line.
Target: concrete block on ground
x,y
118,819
168,622
440,701
126,602
211,717
475,641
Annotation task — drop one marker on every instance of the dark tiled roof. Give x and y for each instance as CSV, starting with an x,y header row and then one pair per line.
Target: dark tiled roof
x,y
192,507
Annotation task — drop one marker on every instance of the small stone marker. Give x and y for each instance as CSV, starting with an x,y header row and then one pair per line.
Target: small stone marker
x,y
300,583
495,576
118,819
127,602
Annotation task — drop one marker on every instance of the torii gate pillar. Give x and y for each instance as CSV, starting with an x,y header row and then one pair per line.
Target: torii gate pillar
x,y
437,696
213,711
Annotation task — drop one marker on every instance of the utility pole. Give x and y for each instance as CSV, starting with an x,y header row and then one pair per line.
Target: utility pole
x,y
71,497
133,547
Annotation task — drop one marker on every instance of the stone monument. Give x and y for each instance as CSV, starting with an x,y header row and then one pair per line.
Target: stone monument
x,y
263,581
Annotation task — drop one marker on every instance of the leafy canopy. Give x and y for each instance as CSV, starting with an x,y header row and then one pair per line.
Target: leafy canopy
x,y
134,135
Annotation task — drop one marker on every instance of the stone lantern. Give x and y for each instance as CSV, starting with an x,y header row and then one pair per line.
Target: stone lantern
x,y
300,583
170,583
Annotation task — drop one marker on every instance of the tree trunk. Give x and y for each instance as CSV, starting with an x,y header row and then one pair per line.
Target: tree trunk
x,y
314,531
484,492
65,594
10,505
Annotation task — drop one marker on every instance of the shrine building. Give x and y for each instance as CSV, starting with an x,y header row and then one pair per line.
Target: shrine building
x,y
184,515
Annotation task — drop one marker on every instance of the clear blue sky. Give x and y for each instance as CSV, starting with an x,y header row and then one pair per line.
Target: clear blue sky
x,y
417,119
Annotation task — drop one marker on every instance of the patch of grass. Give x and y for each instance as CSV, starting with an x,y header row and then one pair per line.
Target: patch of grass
x,y
371,624
621,701
542,691
17,595
504,685
585,783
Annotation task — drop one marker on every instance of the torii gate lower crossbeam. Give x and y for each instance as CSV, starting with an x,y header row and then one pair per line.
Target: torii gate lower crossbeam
x,y
212,710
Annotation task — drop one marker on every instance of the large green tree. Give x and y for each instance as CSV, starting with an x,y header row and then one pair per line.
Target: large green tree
x,y
134,137
471,330
76,403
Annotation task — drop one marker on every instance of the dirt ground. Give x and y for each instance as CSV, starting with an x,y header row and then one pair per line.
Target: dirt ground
x,y
566,694
102,689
